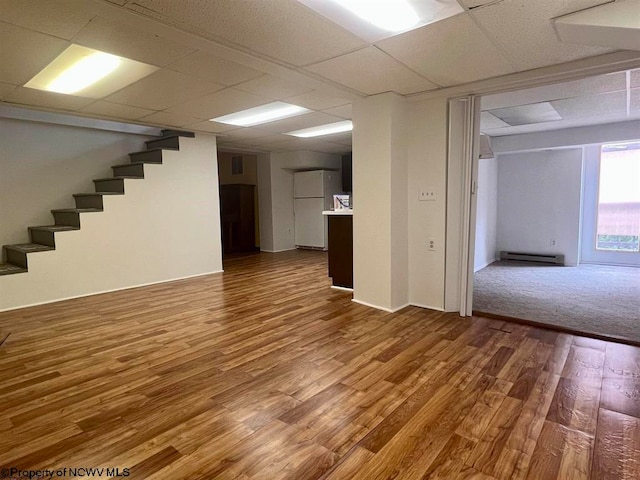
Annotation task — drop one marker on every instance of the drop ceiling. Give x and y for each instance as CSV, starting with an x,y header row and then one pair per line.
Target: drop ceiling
x,y
598,100
222,56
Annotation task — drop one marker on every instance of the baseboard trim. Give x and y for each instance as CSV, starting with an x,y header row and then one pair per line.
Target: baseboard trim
x,y
110,290
428,307
378,307
278,251
343,289
558,328
475,270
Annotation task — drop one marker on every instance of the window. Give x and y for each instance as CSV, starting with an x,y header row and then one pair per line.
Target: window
x,y
618,221
236,165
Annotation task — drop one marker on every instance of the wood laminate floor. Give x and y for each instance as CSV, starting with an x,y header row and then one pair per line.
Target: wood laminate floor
x,y
264,372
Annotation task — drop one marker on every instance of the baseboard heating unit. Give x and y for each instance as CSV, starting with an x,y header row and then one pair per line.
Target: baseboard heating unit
x,y
532,257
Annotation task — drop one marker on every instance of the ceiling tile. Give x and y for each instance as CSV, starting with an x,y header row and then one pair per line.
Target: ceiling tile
x,y
527,114
489,121
273,87
302,37
317,100
61,19
327,147
372,71
344,138
116,110
211,127
129,42
244,134
477,3
288,145
214,69
170,119
613,82
6,89
40,98
29,53
594,105
449,52
570,123
311,119
519,26
219,103
163,89
343,111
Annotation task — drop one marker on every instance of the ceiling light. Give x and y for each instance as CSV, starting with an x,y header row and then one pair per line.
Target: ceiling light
x,y
389,15
327,129
262,114
86,72
374,20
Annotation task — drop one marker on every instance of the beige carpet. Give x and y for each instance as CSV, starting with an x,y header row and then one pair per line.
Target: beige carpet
x,y
598,299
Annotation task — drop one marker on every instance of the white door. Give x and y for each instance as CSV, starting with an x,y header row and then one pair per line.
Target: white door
x,y
462,175
308,184
611,205
309,222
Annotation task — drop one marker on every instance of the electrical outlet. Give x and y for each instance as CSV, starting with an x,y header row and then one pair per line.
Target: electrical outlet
x,y
552,243
427,195
431,244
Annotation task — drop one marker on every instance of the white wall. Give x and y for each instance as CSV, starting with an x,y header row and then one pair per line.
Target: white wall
x,y
539,201
42,165
487,213
427,167
275,185
166,226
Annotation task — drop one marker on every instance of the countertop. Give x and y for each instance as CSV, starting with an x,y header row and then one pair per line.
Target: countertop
x,y
338,212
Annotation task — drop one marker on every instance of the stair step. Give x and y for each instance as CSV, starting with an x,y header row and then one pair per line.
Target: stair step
x,y
111,184
91,200
17,254
9,269
180,133
71,216
45,235
147,156
168,142
133,169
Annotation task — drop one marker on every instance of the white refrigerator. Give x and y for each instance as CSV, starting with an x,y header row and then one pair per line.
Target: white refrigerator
x,y
313,192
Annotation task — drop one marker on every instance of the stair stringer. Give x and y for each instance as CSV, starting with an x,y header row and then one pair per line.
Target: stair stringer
x,y
165,227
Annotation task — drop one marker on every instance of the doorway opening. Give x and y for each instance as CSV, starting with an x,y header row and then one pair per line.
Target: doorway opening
x,y
563,181
240,228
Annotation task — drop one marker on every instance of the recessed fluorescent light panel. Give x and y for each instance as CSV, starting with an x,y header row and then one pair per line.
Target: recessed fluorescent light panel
x,y
392,15
327,129
262,114
86,72
373,20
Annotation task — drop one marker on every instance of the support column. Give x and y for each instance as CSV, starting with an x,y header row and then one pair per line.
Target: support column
x,y
380,221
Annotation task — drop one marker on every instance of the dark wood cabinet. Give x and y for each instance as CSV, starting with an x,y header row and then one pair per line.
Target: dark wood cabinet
x,y
237,212
341,250
347,173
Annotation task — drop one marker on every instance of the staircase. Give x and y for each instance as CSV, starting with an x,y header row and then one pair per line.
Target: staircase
x,y
65,220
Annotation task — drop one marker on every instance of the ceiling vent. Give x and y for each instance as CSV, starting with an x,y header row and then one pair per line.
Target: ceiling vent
x,y
485,147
